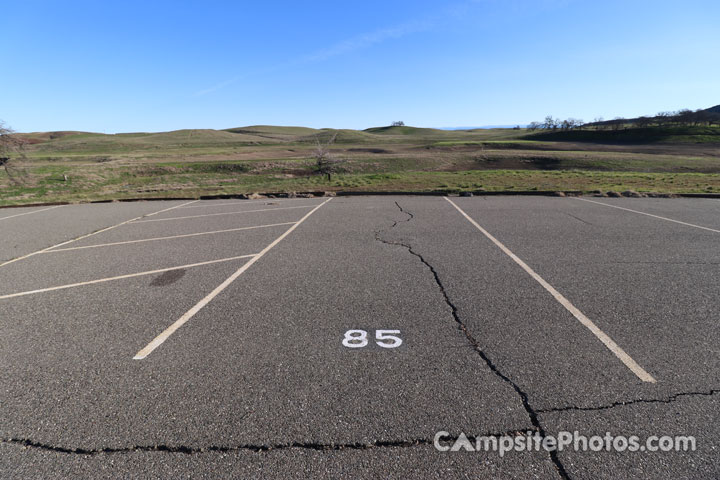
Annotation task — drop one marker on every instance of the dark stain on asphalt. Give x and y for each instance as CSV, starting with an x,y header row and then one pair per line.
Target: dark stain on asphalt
x,y
168,278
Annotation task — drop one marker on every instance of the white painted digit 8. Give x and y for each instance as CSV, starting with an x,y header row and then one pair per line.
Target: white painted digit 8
x,y
355,339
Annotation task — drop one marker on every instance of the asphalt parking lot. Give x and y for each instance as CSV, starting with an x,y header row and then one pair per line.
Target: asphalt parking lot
x,y
335,337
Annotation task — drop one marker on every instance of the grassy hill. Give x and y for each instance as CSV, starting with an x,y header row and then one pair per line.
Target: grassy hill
x,y
404,130
205,141
274,130
83,166
272,133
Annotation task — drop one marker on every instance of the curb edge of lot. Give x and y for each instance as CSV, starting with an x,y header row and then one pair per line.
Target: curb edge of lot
x,y
318,194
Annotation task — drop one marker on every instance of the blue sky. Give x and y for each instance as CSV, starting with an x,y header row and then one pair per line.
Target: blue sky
x,y
160,65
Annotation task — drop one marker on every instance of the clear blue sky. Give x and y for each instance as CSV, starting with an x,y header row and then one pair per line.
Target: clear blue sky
x,y
161,65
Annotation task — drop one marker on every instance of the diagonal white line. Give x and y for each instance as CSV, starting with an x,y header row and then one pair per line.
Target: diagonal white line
x,y
209,203
222,213
648,214
240,202
602,336
30,213
120,277
91,234
169,238
157,341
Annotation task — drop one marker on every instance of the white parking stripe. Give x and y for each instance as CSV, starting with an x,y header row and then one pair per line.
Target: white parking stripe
x,y
223,213
168,238
209,203
602,336
157,341
91,234
120,277
30,213
648,214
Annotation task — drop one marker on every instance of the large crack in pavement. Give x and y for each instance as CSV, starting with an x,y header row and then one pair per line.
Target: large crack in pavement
x,y
532,414
670,399
255,448
216,448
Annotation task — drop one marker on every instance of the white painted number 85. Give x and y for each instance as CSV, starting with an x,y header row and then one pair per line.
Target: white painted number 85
x,y
383,338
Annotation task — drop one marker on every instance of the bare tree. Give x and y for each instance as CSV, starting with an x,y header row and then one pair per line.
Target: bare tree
x,y
575,122
533,126
551,123
325,161
618,123
399,123
11,149
643,121
663,118
684,116
701,116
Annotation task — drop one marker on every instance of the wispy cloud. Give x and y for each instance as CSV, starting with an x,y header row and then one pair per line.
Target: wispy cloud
x,y
219,86
344,47
367,40
449,14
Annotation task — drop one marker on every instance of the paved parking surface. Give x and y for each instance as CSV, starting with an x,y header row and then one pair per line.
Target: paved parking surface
x,y
330,338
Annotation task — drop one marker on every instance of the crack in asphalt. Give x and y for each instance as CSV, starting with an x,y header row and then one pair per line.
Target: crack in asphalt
x,y
532,414
259,448
410,217
670,399
225,449
578,218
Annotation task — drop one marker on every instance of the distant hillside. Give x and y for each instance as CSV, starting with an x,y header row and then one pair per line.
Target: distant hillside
x,y
273,130
633,135
685,117
402,130
681,126
39,137
484,127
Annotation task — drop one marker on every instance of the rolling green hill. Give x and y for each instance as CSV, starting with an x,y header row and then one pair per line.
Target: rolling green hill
x,y
404,130
633,135
84,166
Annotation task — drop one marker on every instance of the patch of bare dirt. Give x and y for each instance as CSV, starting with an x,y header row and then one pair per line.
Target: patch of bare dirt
x,y
368,150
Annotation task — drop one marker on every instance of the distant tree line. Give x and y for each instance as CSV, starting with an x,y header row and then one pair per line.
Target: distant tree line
x,y
684,117
551,123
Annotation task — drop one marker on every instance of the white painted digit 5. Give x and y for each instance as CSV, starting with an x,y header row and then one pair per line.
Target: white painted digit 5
x,y
383,336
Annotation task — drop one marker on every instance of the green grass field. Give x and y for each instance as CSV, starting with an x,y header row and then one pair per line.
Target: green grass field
x,y
82,166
